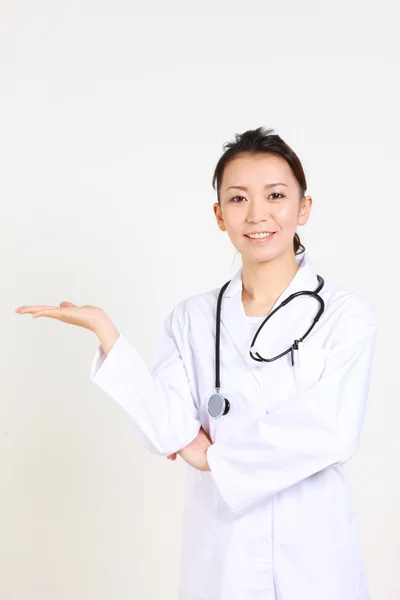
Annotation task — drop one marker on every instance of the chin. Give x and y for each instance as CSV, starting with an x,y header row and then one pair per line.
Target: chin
x,y
258,257
262,255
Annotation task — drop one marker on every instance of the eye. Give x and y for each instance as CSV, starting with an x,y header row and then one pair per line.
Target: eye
x,y
277,194
233,199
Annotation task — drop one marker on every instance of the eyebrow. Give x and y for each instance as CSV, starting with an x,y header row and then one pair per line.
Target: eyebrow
x,y
242,187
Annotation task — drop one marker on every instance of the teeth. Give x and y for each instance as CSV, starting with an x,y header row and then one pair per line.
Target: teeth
x,y
258,235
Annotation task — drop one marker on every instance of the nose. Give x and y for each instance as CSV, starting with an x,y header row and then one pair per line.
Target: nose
x,y
257,211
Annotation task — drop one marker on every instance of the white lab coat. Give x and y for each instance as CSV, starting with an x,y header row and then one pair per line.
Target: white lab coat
x,y
274,519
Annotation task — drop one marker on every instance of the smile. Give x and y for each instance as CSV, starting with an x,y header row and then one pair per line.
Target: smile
x,y
260,238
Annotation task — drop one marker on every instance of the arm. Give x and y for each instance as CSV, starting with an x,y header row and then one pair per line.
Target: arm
x,y
159,399
311,431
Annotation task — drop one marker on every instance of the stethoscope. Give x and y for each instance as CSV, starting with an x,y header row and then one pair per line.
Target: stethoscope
x,y
217,404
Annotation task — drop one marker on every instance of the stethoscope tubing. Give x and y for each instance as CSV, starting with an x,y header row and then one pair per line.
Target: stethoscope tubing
x,y
257,357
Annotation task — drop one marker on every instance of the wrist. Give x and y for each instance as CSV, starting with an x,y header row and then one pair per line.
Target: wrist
x,y
207,465
107,334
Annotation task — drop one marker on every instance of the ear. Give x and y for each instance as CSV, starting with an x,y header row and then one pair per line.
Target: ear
x,y
304,210
219,216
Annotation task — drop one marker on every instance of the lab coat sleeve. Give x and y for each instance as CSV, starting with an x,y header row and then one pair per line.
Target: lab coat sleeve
x,y
311,430
157,399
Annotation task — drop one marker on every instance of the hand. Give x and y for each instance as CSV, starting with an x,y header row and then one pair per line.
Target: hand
x,y
195,453
87,316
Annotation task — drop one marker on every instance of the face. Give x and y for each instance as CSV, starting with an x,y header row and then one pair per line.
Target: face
x,y
259,194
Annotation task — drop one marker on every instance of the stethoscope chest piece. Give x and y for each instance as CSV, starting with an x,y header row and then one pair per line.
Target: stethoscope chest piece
x,y
218,405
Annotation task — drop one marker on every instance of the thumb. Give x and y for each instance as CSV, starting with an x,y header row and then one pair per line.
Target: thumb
x,y
67,304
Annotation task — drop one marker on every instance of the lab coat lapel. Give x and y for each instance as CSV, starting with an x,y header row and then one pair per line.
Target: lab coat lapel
x,y
233,316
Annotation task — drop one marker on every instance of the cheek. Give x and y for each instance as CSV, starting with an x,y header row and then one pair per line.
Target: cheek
x,y
234,230
286,216
233,222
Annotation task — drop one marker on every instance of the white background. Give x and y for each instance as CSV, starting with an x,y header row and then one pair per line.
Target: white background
x,y
113,115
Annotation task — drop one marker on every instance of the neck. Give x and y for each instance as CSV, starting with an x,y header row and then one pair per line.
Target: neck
x,y
264,282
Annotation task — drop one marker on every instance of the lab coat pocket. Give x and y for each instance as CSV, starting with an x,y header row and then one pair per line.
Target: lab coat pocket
x,y
308,367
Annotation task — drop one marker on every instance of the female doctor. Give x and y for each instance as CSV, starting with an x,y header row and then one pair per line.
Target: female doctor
x,y
265,411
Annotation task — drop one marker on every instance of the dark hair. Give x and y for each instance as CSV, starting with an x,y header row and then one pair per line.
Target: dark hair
x,y
258,141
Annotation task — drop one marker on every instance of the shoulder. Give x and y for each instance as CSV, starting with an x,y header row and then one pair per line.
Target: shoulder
x,y
197,302
350,305
348,316
194,312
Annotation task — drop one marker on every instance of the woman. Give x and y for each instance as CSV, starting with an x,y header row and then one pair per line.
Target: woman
x,y
268,511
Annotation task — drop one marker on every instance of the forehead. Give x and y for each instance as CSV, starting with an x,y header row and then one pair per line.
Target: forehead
x,y
258,169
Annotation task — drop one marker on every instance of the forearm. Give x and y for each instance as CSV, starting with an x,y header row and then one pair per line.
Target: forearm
x,y
158,399
312,430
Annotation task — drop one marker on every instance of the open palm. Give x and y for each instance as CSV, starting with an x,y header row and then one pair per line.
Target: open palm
x,y
87,316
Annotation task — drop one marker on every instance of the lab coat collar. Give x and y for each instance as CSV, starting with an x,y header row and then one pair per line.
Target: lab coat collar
x,y
233,316
304,278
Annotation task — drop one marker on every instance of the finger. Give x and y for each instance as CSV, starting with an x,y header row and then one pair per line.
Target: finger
x,y
68,305
32,309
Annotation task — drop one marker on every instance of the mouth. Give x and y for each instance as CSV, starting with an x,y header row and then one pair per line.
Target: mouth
x,y
260,237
